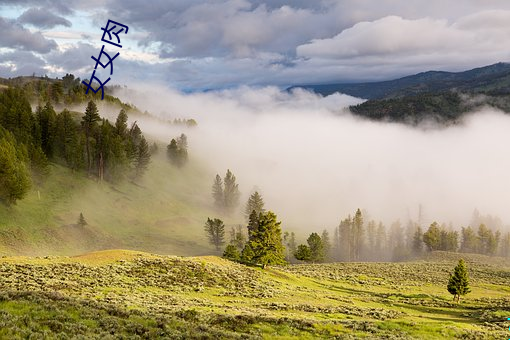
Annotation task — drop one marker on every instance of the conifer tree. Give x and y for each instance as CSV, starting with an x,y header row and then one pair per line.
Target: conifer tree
x,y
81,220
231,253
231,192
266,241
14,175
458,283
255,203
432,237
418,241
357,234
217,192
316,247
303,253
326,243
89,122
143,158
215,231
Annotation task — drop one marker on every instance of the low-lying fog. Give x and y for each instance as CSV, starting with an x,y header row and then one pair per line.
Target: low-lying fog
x,y
315,163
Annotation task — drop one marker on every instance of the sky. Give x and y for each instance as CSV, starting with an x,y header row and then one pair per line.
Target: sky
x,y
193,45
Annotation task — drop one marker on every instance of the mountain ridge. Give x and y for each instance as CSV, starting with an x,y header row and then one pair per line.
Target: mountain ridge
x,y
491,78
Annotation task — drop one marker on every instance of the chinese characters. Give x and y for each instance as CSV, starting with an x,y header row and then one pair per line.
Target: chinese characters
x,y
111,31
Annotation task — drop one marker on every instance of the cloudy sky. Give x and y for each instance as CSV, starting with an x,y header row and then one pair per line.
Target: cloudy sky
x,y
198,44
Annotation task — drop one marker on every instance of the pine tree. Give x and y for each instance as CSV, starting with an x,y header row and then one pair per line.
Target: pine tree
x,y
458,283
143,158
81,221
418,241
247,254
345,233
470,243
231,192
217,193
303,253
237,237
266,241
326,243
215,230
14,175
255,203
289,239
232,253
316,247
121,126
432,237
89,122
357,234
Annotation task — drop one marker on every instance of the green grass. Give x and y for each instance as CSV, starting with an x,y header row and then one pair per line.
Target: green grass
x,y
164,212
139,295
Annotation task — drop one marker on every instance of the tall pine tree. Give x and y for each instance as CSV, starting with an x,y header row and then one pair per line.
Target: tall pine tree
x,y
458,283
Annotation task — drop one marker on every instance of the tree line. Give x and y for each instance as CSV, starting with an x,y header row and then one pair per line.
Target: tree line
x,y
83,142
357,240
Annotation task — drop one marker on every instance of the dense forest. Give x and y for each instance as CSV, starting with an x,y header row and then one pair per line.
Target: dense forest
x,y
84,142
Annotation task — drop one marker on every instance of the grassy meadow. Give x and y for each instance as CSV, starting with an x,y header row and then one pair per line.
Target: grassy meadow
x,y
136,295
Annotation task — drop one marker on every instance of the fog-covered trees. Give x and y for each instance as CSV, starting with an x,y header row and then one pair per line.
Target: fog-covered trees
x,y
215,231
226,193
458,283
313,252
177,151
255,203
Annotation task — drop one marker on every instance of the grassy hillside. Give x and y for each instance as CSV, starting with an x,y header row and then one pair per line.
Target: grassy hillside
x,y
113,294
165,213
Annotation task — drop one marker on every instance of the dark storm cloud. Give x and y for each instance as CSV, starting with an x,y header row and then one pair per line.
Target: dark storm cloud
x,y
42,18
16,36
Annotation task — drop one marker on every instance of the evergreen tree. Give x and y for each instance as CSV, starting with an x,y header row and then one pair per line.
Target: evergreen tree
x,y
177,151
81,221
357,235
89,122
266,241
505,245
345,231
303,253
326,243
121,126
316,247
67,140
143,158
46,119
432,237
217,193
230,192
255,203
470,243
247,254
458,283
381,239
14,176
232,253
215,230
418,241
237,237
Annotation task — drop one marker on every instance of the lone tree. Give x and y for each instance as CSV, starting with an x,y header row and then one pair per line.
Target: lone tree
x,y
255,203
266,241
458,284
215,230
81,221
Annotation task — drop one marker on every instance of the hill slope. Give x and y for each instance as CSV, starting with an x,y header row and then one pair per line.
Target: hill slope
x,y
133,294
164,213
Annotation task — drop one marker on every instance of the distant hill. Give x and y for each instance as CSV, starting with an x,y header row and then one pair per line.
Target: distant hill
x,y
488,79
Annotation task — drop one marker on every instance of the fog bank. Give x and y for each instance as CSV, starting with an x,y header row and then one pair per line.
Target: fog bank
x,y
315,163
